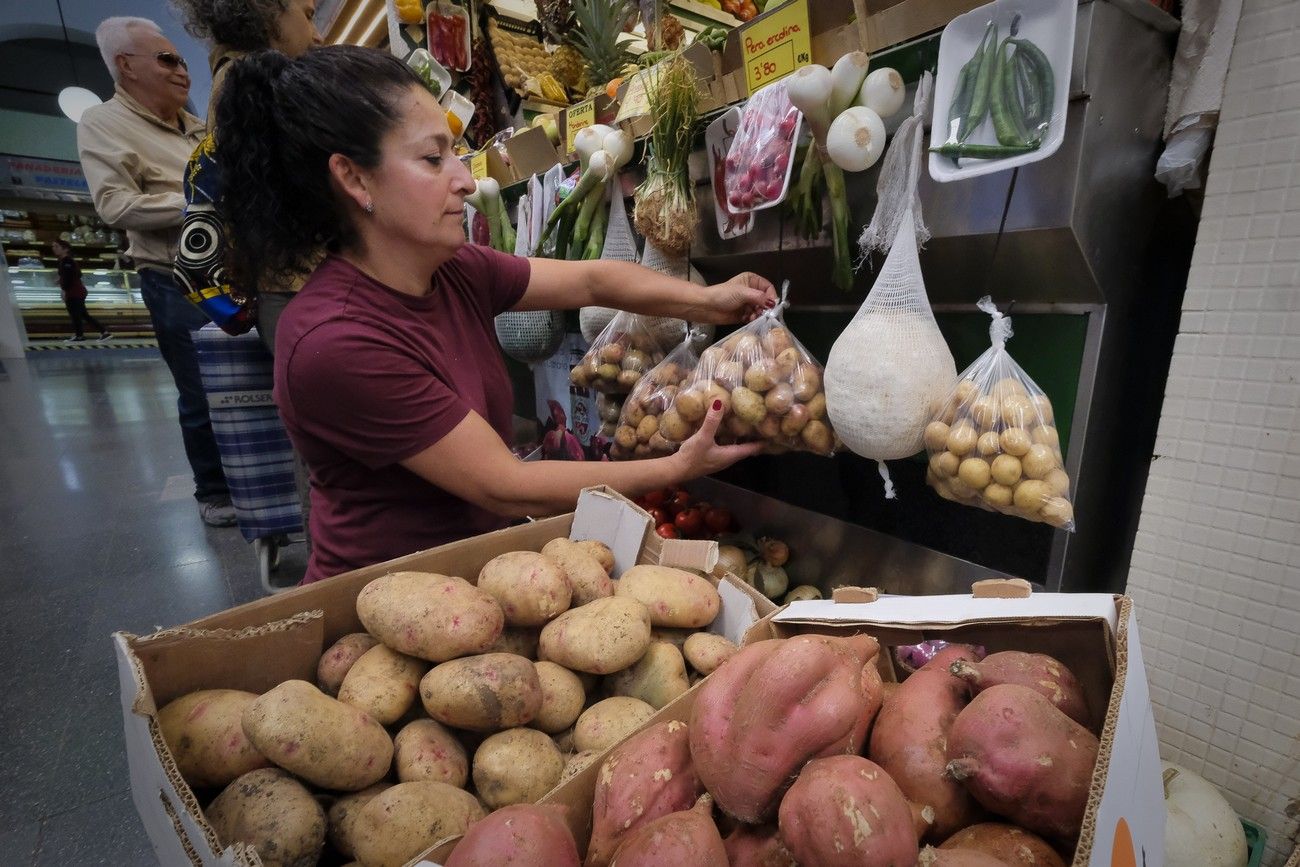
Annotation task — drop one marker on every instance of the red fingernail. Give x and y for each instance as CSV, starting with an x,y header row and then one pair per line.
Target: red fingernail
x,y
717,405
770,304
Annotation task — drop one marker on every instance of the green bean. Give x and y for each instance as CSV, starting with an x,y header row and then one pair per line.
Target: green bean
x,y
1042,67
1002,107
979,106
983,151
961,98
1035,111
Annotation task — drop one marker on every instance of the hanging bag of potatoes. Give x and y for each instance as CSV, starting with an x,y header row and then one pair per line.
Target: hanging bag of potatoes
x,y
623,352
637,434
993,443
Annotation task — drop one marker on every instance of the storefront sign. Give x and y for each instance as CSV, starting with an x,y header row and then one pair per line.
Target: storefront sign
x,y
579,117
776,44
43,179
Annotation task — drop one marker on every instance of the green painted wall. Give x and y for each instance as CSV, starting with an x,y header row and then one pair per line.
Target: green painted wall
x,y
37,135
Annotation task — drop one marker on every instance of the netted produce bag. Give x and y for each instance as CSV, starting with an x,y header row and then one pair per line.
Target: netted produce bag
x,y
993,442
623,352
770,387
637,434
530,336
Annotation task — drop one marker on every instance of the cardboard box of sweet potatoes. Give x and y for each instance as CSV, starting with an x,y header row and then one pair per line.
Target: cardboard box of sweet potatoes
x,y
1117,799
259,646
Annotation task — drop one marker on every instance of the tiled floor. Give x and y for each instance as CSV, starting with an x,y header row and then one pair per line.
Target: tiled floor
x,y
93,539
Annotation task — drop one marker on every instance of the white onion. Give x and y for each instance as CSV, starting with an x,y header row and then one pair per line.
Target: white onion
x,y
809,90
882,91
856,139
846,79
586,142
619,145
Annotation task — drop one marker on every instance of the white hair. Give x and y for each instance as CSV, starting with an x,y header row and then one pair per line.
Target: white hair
x,y
113,36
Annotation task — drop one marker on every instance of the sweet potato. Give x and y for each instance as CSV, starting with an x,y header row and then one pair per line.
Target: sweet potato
x,y
687,838
1024,759
674,597
1010,845
517,640
383,683
954,857
1037,671
599,552
607,722
648,776
424,750
205,734
434,617
909,740
320,739
757,846
484,693
532,589
601,637
335,662
588,579
562,698
775,705
656,678
401,822
845,810
275,814
343,814
522,835
516,766
706,651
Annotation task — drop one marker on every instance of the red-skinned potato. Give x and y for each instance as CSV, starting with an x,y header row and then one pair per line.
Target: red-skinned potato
x,y
425,750
687,838
1042,673
648,776
845,811
335,663
757,846
523,835
205,734
954,857
401,822
1009,844
1024,759
775,705
434,617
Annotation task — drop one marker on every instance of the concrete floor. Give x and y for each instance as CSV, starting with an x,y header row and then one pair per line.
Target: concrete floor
x,y
99,532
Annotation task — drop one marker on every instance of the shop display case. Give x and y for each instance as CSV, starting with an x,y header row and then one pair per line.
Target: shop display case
x,y
112,297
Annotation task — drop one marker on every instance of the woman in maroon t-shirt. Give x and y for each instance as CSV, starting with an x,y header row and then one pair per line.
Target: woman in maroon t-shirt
x,y
387,370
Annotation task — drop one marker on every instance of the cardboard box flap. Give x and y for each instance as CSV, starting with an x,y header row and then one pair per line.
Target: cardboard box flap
x,y
605,516
695,554
739,610
921,611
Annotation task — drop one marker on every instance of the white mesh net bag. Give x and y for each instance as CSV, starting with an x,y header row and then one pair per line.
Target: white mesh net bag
x,y
532,336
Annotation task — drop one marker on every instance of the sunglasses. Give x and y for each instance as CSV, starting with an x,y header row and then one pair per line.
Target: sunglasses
x,y
169,59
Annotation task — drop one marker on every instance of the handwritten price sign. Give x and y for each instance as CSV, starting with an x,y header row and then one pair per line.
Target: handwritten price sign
x,y
776,44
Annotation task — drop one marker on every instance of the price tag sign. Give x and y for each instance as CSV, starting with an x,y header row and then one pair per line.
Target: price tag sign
x,y
777,44
478,165
635,102
580,117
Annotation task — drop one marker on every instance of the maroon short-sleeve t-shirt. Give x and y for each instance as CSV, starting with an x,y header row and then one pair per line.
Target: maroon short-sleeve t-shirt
x,y
366,376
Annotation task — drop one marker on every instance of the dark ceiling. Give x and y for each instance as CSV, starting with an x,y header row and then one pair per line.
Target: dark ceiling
x,y
33,71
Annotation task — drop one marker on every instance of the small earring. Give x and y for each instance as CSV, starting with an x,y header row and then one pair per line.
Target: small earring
x,y
370,208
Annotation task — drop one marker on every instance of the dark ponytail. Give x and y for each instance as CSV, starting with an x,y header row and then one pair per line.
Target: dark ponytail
x,y
278,122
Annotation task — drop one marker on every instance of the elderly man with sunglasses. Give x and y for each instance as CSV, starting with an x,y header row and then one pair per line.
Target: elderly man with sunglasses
x,y
133,150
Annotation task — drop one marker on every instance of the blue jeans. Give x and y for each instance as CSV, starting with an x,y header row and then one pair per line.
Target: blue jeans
x,y
174,317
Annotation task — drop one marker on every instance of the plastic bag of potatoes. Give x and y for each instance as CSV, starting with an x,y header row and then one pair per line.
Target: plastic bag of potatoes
x,y
638,434
623,352
993,443
770,387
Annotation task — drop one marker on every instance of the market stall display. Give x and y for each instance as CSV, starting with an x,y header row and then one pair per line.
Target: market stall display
x,y
637,433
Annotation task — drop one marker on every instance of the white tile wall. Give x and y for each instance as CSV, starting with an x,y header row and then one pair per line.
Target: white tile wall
x,y
1216,564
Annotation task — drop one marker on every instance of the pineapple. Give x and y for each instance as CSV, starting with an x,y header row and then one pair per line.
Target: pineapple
x,y
567,66
599,24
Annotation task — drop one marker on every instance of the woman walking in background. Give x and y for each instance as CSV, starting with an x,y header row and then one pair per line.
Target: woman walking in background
x,y
73,293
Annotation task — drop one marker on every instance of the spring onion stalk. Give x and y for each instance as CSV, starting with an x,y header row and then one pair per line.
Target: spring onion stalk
x,y
600,165
847,76
810,90
665,210
567,210
504,240
599,225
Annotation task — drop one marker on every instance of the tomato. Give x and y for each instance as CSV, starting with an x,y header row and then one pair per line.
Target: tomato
x,y
654,498
659,516
690,522
681,499
668,531
718,519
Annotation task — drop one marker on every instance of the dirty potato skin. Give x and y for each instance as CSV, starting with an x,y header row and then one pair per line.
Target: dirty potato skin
x,y
601,637
425,750
516,766
434,617
338,660
607,722
532,589
562,698
656,678
383,683
273,813
401,822
343,813
486,693
588,578
675,598
204,732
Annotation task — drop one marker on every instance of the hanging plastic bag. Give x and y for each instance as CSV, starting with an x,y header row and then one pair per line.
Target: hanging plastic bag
x,y
761,157
993,442
637,434
620,355
770,387
609,407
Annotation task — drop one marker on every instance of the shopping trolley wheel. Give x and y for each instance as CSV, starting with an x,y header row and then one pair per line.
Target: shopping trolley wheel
x,y
268,561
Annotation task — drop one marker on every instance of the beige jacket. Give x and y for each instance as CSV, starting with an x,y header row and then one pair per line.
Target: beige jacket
x,y
134,163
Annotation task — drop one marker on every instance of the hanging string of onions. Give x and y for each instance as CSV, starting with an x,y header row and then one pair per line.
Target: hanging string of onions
x,y
665,203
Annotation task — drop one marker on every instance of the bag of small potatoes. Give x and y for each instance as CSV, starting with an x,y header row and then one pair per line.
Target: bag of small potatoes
x,y
770,387
637,434
623,352
993,443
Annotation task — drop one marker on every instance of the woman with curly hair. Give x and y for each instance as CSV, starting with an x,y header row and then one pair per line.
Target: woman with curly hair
x,y
387,370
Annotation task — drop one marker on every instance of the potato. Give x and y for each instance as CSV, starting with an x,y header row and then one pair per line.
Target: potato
x,y
607,722
808,384
516,766
434,617
587,578
403,821
817,436
320,739
747,405
272,812
204,733
424,750
674,597
521,642
657,678
674,428
601,637
531,588
706,651
600,553
562,698
484,693
343,814
335,662
675,637
383,683
575,764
